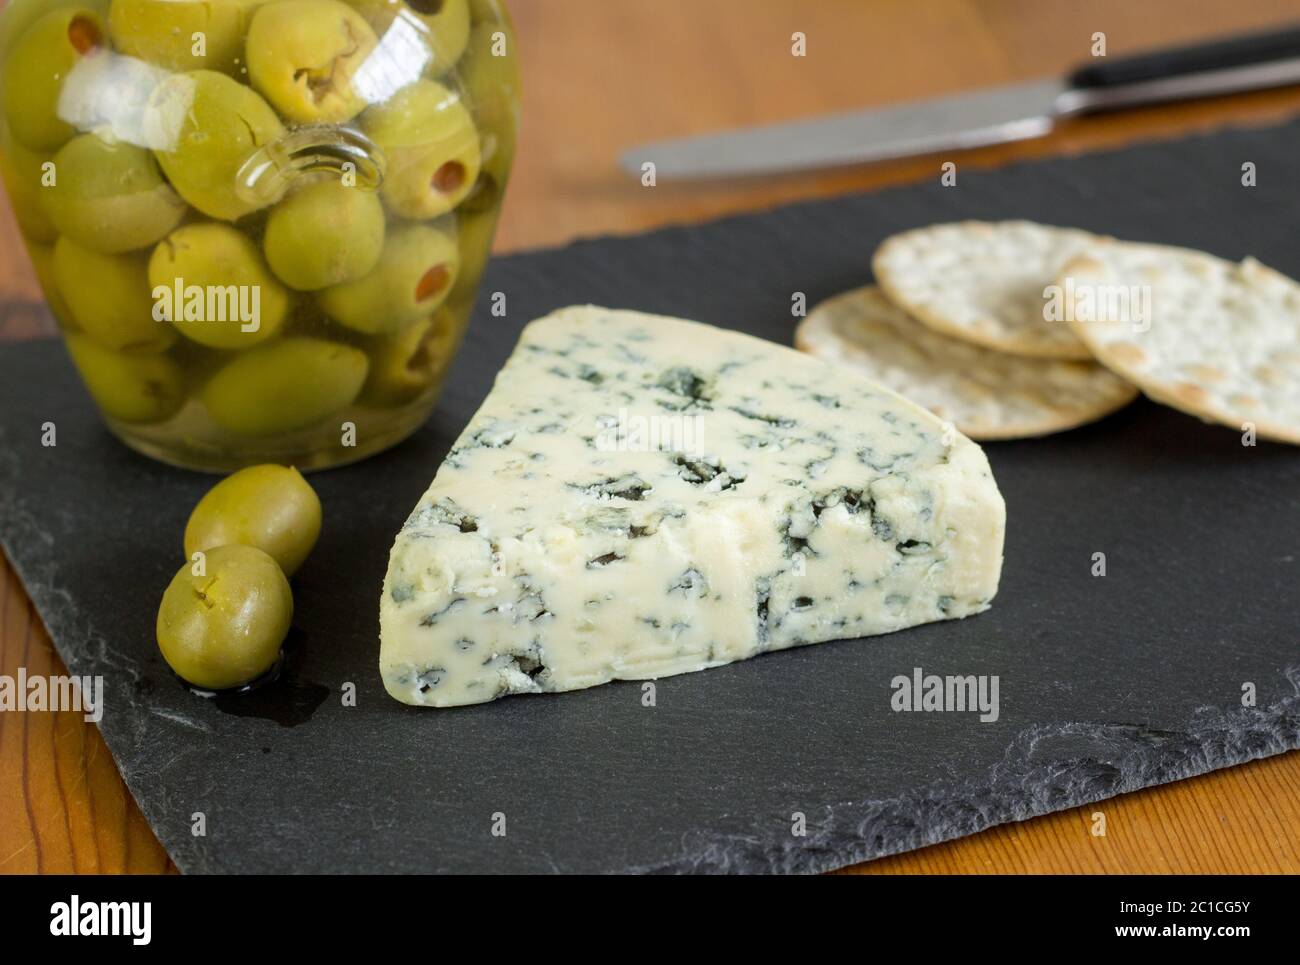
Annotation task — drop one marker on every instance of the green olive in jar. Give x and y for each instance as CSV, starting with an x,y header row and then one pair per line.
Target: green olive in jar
x,y
134,388
288,384
428,136
325,233
43,264
108,298
271,507
491,82
485,11
411,362
204,127
223,619
416,271
19,15
36,68
443,25
183,34
475,230
109,196
304,55
23,172
215,288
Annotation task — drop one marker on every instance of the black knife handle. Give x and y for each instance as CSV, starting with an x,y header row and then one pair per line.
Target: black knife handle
x,y
1244,51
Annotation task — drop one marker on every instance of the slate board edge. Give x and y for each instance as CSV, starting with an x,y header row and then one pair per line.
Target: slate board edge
x,y
17,526
1220,742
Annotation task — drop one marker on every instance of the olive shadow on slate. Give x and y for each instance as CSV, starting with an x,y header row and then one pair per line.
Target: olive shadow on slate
x,y
1106,684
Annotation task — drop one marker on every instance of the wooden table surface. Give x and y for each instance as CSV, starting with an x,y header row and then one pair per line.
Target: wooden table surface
x,y
603,74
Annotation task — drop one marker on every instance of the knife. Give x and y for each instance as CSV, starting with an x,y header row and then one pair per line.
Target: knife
x,y
990,116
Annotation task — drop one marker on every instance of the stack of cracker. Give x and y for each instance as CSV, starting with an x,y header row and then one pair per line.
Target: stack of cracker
x,y
1013,329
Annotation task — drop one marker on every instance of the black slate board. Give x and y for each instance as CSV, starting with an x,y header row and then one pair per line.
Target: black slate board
x,y
1106,684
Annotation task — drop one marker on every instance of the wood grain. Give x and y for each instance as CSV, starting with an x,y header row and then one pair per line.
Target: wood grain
x,y
601,75
65,809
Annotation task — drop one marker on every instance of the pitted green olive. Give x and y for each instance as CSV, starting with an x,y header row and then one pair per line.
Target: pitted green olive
x,y
19,15
324,234
416,270
132,388
36,68
203,127
443,25
224,625
108,296
475,232
486,11
183,34
289,384
432,147
304,55
491,81
270,507
413,361
109,196
43,264
23,171
213,285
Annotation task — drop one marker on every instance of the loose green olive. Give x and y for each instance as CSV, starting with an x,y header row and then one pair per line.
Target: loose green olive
x,y
325,234
224,626
289,384
108,297
303,55
270,507
22,171
406,365
491,80
132,388
213,285
432,147
110,196
416,270
443,25
183,34
204,127
36,68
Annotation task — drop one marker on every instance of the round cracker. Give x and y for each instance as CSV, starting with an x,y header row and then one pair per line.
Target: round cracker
x,y
1218,340
985,394
984,282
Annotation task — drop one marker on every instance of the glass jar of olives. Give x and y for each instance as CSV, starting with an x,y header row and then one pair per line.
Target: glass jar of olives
x,y
260,224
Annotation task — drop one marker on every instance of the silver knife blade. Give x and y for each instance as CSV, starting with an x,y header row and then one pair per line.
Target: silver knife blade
x,y
989,116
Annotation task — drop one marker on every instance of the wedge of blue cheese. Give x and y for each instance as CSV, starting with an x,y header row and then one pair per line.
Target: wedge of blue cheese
x,y
642,496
